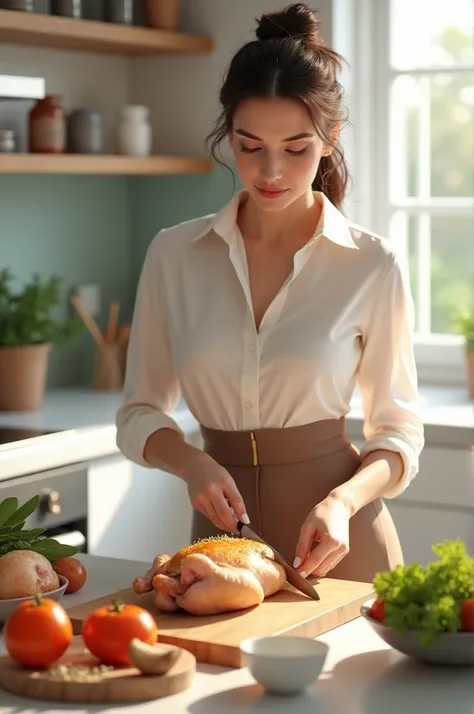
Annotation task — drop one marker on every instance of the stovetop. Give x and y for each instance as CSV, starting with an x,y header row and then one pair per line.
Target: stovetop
x,y
14,434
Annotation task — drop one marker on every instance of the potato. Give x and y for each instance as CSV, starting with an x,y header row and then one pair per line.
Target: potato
x,y
24,573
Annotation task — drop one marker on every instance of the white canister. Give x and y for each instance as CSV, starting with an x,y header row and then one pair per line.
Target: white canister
x,y
134,131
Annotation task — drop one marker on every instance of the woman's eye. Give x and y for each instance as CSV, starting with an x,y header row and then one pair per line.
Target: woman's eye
x,y
295,152
248,150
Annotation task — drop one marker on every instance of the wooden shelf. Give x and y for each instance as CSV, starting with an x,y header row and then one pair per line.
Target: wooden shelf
x,y
91,36
103,165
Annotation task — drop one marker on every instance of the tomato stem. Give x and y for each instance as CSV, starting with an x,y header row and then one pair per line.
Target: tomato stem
x,y
117,606
38,600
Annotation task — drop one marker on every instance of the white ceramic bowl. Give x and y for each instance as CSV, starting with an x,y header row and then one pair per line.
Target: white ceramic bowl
x,y
7,606
451,648
284,665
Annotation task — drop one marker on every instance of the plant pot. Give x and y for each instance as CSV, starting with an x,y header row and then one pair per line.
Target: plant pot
x,y
470,371
23,373
162,14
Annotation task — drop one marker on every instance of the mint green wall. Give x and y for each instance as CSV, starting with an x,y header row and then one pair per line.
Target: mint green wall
x,y
95,230
163,201
77,227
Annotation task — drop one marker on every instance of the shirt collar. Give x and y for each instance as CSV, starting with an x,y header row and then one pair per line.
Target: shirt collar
x,y
333,224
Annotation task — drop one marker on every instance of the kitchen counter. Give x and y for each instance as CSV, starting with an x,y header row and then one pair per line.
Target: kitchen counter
x,y
362,675
87,420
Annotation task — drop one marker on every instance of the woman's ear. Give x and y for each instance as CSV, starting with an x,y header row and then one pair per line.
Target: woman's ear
x,y
327,151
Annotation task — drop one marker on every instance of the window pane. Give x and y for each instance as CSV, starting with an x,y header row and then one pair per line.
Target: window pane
x,y
450,271
431,33
452,135
432,136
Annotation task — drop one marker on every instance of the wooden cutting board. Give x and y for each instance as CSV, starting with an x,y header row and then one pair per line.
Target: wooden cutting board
x,y
216,639
121,685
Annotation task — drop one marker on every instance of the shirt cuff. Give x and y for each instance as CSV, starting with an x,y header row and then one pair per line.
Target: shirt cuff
x,y
407,453
132,436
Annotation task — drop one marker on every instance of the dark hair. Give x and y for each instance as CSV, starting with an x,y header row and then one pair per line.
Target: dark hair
x,y
290,59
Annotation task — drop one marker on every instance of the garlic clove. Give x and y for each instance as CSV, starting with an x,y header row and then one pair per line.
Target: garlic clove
x,y
152,659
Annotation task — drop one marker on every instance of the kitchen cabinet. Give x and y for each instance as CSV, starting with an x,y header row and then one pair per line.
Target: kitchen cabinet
x,y
439,503
135,512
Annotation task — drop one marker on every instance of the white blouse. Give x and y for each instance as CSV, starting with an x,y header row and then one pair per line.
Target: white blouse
x,y
343,317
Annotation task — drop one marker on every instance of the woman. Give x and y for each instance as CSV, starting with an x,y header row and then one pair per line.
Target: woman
x,y
265,316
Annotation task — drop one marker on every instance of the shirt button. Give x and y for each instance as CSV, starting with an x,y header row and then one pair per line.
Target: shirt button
x,y
252,347
248,405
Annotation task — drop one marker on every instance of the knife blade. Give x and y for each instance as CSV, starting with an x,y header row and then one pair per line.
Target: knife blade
x,y
292,575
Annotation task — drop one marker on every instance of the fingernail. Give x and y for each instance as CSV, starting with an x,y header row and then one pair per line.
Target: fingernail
x,y
303,574
245,519
296,562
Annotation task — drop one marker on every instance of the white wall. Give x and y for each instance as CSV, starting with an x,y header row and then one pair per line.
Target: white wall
x,y
84,80
182,94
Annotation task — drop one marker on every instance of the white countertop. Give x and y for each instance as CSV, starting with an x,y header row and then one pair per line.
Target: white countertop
x,y
88,420
362,675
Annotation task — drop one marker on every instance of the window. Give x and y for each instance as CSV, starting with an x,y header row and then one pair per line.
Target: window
x,y
411,90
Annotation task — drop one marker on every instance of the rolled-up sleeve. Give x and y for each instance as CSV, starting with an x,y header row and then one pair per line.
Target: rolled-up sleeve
x,y
387,376
151,389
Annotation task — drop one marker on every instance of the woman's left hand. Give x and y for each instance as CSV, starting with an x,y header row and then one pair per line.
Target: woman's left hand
x,y
328,525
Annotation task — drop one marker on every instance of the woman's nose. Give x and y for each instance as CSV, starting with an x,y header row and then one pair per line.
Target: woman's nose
x,y
271,170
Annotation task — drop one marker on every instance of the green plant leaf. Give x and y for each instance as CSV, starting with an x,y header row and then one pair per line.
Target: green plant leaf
x,y
28,317
23,512
7,508
52,549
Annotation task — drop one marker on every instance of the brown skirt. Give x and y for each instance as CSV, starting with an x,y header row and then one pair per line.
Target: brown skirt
x,y
283,473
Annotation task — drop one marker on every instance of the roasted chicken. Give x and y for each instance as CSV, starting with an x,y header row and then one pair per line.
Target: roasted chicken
x,y
213,575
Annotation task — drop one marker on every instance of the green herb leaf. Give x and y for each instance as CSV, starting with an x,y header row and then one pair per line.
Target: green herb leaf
x,y
23,512
21,535
28,316
52,549
7,508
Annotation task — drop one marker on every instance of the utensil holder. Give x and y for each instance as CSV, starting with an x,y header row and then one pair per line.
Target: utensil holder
x,y
109,368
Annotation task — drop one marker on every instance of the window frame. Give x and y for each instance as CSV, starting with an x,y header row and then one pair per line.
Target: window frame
x,y
360,32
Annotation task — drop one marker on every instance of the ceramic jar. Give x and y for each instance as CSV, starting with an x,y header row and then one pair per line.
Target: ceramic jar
x,y
47,126
7,141
85,132
134,131
68,8
119,11
18,5
162,14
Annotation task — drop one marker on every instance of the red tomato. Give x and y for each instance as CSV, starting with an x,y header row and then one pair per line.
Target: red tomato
x,y
73,570
377,610
38,632
467,615
107,631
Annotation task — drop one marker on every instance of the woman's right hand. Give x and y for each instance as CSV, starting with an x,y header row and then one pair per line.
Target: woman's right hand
x,y
214,493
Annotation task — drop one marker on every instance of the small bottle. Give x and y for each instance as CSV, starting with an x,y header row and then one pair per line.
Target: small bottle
x,y
134,131
85,132
119,11
7,141
68,8
18,5
47,125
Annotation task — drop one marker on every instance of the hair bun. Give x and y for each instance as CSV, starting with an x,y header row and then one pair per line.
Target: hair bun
x,y
297,21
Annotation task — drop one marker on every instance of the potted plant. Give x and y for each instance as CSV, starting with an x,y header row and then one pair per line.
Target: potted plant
x,y
27,332
464,323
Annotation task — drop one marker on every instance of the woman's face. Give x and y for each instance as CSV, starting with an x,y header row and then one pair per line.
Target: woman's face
x,y
276,149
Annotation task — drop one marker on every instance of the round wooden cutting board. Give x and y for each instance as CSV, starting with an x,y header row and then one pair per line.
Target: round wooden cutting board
x,y
118,685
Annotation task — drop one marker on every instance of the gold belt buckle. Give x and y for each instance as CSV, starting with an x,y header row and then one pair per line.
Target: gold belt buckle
x,y
253,443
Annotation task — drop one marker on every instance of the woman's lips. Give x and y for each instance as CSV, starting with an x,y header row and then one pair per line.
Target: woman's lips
x,y
271,192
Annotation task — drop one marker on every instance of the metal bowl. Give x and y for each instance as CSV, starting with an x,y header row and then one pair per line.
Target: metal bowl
x,y
450,648
8,606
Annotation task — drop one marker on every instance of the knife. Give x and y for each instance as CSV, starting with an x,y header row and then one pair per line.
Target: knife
x,y
292,575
